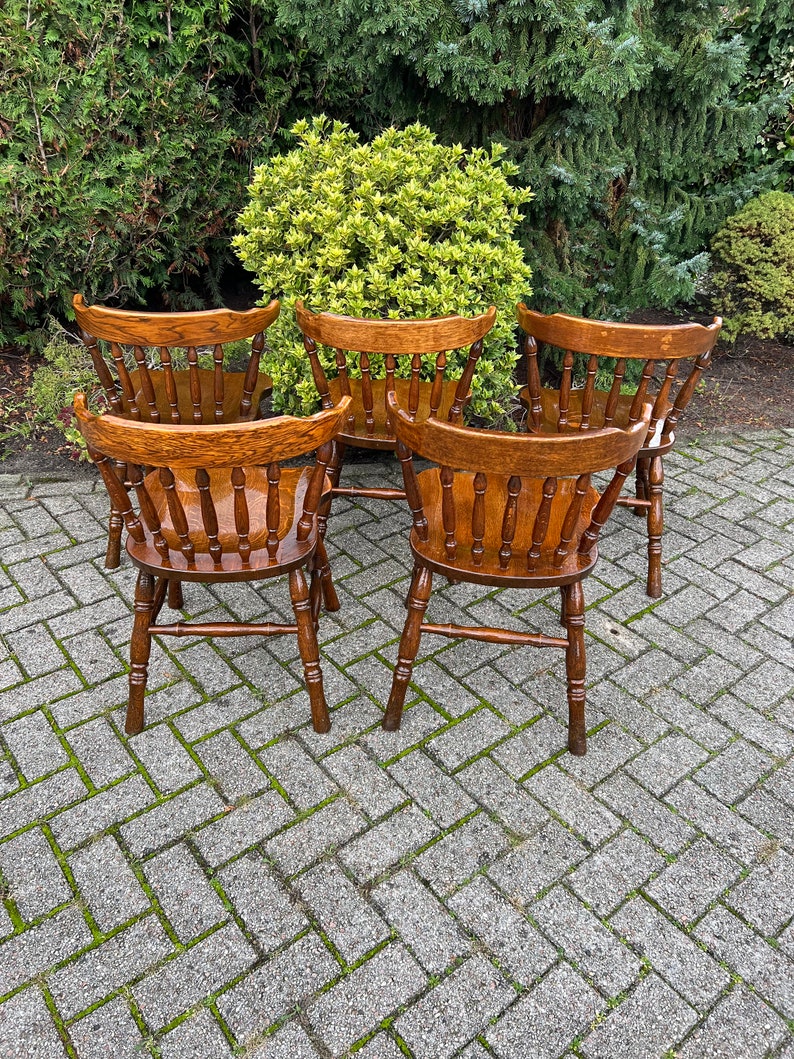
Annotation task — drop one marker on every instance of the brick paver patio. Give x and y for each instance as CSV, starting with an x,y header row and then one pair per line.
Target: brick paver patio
x,y
230,883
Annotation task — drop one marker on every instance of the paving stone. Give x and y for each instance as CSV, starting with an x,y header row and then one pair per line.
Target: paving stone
x,y
764,897
291,1042
767,685
455,1011
522,953
660,766
305,783
345,917
596,952
423,922
387,843
245,826
644,1026
93,701
109,1032
724,827
100,751
171,819
695,721
380,1047
35,745
740,1027
418,721
432,789
544,1021
674,954
184,892
537,863
500,693
33,876
38,801
610,874
194,974
347,721
753,725
775,817
732,773
269,911
576,806
689,885
26,1028
93,657
502,796
653,818
197,1036
36,650
220,711
766,969
708,678
108,884
228,763
323,831
625,709
165,758
469,848
26,614
468,738
115,962
364,782
101,811
271,990
26,955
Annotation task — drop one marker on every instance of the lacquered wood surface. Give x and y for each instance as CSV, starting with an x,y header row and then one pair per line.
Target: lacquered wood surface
x,y
399,337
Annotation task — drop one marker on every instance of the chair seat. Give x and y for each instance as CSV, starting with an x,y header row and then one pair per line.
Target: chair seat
x,y
233,383
293,483
379,435
656,442
545,572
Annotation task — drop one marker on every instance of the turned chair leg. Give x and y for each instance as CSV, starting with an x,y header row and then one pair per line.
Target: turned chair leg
x,y
140,648
573,607
330,598
309,650
175,598
641,487
421,585
655,527
113,552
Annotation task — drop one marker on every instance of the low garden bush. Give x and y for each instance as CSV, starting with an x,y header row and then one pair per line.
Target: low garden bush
x,y
399,227
753,268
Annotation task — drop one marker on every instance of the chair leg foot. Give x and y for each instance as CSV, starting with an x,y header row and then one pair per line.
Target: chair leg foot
x,y
140,648
655,528
421,585
309,650
575,667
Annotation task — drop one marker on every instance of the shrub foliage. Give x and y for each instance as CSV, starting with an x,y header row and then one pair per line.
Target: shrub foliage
x,y
754,268
398,227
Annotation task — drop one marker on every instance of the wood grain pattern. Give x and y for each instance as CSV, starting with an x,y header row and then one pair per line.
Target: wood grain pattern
x,y
217,506
674,358
380,343
507,510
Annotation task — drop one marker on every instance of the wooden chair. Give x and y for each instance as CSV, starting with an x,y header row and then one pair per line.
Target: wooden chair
x,y
513,511
590,394
367,425
216,507
156,391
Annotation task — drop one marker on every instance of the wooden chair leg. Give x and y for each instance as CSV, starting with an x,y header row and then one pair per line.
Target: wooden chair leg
x,y
309,651
315,593
655,527
175,598
421,585
113,552
641,489
330,598
573,607
140,648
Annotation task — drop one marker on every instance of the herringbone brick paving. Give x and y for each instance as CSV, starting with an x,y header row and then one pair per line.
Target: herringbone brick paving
x,y
228,882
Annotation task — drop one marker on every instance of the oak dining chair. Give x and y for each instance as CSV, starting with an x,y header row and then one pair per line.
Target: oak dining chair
x,y
593,393
216,505
169,368
508,511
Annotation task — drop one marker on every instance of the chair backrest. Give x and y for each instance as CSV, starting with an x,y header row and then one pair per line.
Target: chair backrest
x,y
232,504
580,407
390,340
139,376
506,465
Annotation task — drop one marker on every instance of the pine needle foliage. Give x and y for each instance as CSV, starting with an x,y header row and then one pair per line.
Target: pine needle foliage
x,y
399,227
